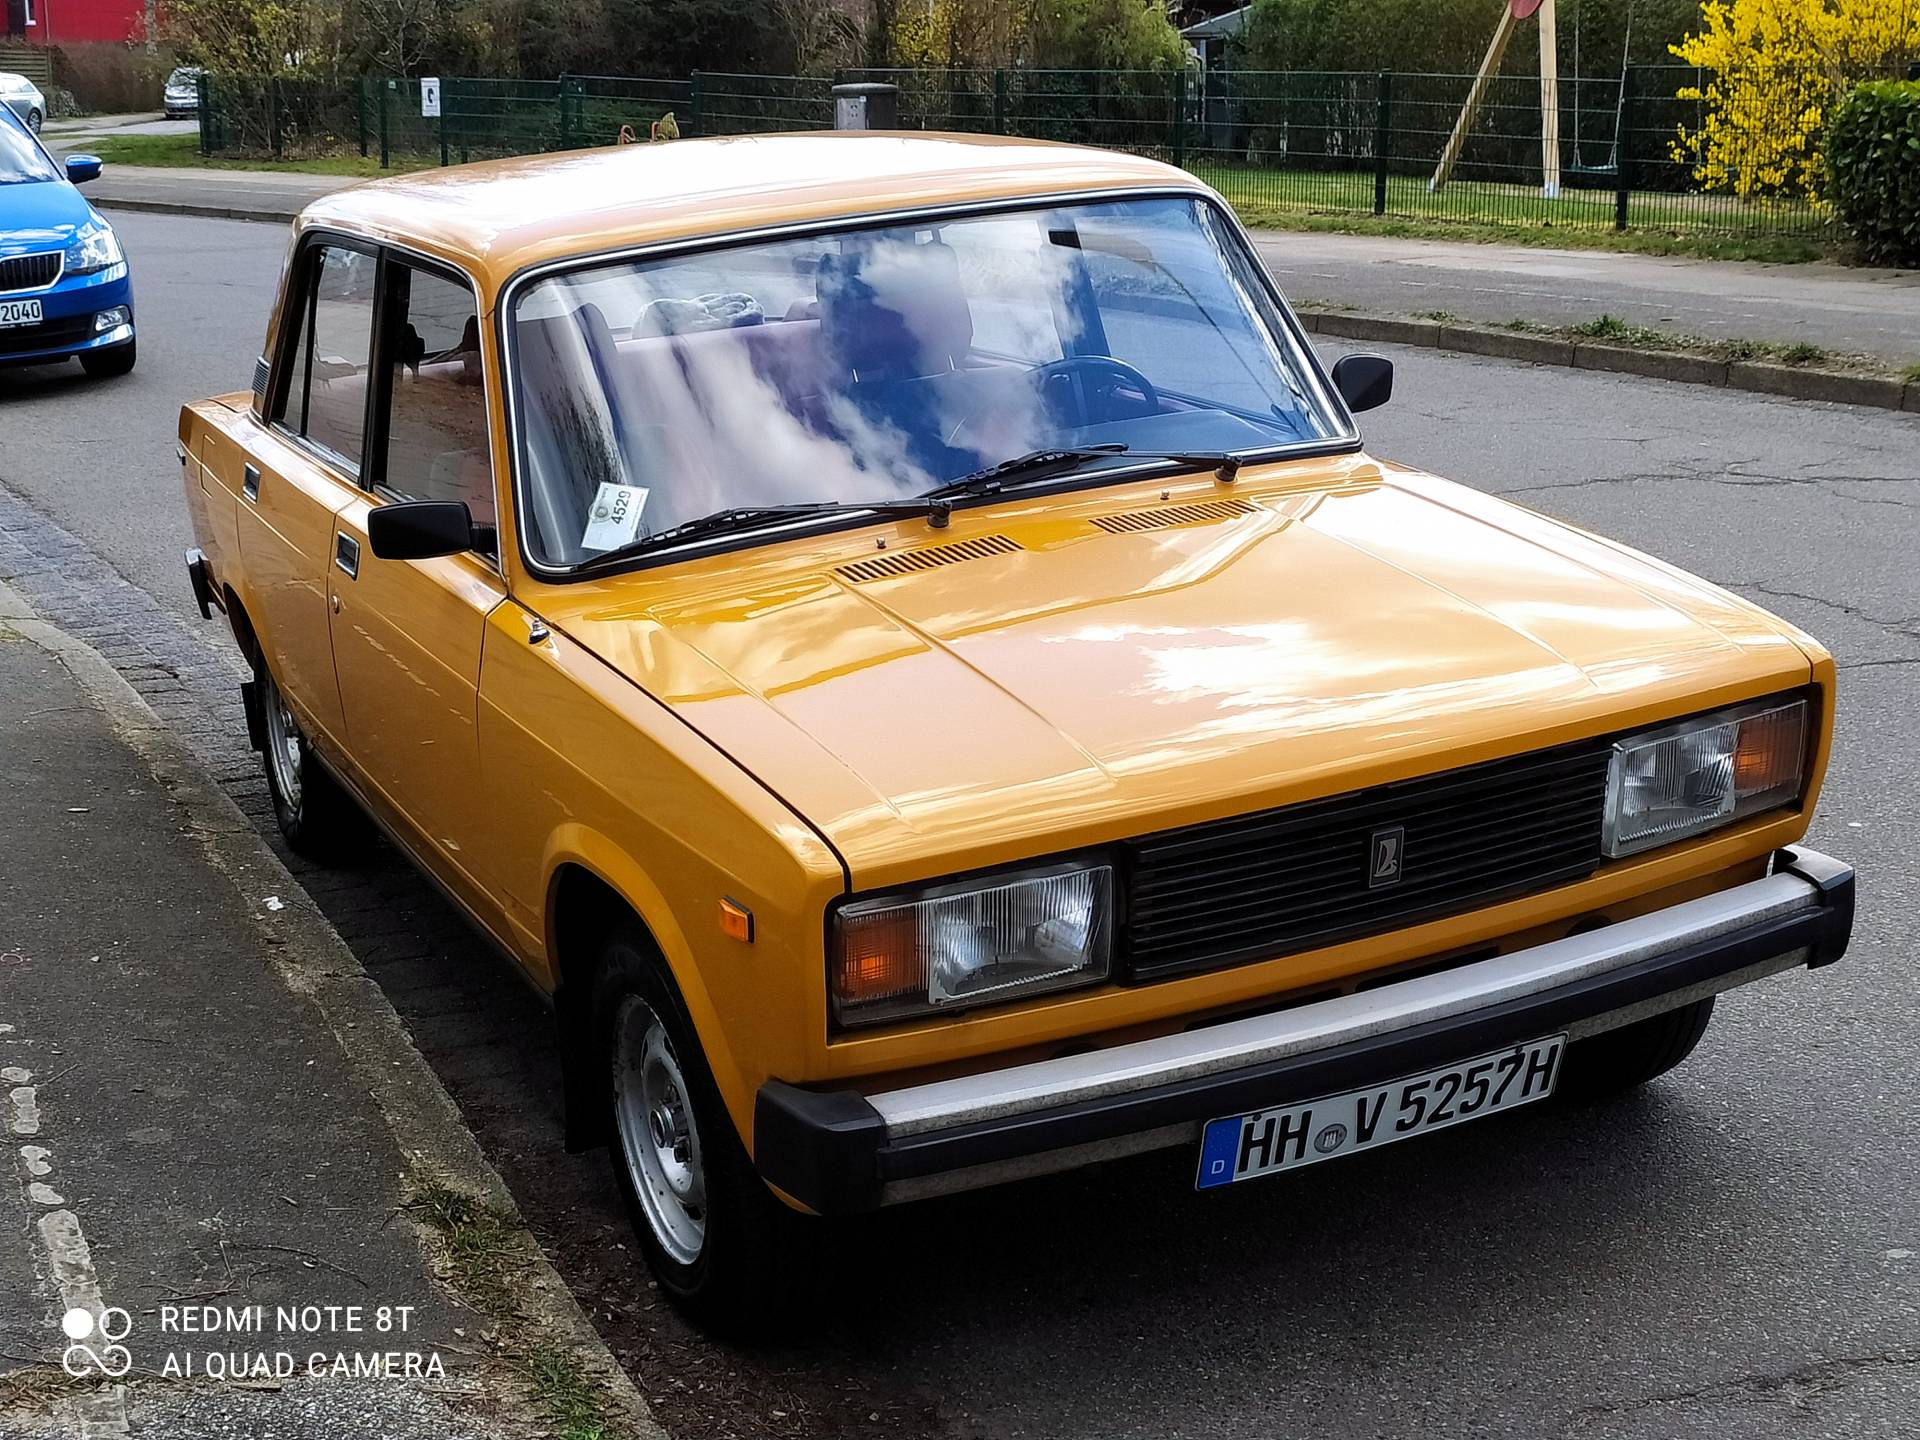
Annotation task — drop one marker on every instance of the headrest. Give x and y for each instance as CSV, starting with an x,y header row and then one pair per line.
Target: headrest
x,y
894,310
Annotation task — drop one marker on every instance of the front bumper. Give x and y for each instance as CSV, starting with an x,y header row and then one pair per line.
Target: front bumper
x,y
69,308
838,1150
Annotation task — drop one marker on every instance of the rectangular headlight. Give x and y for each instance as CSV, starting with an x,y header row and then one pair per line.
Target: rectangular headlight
x,y
1699,774
971,943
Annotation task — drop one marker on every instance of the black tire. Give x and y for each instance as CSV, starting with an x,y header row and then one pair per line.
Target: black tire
x,y
319,819
34,121
114,360
752,1251
1620,1060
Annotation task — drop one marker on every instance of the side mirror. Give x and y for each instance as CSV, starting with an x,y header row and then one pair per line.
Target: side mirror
x,y
1365,382
82,168
424,529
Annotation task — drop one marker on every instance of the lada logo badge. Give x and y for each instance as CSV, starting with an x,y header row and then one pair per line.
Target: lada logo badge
x,y
1384,856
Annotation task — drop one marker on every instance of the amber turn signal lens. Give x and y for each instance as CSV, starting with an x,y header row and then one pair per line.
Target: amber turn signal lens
x,y
879,958
1771,748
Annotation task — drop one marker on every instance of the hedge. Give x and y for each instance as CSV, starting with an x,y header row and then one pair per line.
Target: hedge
x,y
1873,169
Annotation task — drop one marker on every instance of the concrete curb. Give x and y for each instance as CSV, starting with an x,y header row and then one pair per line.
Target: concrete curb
x,y
317,964
1797,382
208,212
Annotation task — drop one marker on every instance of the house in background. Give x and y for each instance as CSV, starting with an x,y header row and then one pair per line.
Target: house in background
x,y
74,22
1209,34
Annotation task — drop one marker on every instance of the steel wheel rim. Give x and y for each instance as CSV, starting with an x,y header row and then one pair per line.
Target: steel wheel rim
x,y
659,1140
283,747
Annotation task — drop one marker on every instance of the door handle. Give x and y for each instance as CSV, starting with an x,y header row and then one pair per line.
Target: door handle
x,y
250,481
346,553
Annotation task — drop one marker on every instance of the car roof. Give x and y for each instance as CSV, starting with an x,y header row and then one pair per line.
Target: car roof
x,y
496,218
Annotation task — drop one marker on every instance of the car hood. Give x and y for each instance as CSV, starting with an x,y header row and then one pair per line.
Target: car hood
x,y
1085,667
40,215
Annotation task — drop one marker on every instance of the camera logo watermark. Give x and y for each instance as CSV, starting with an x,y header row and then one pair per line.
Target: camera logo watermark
x,y
81,1359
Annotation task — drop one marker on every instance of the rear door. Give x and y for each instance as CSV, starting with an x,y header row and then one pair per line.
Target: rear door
x,y
301,467
407,633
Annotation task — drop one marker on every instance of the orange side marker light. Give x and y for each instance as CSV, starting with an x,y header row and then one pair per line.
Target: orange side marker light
x,y
736,921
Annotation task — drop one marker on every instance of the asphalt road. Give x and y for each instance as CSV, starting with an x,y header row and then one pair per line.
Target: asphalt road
x,y
1842,309
1734,1252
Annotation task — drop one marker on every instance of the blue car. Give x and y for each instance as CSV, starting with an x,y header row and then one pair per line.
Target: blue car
x,y
64,289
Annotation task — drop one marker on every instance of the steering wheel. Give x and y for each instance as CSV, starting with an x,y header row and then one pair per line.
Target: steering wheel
x,y
1090,383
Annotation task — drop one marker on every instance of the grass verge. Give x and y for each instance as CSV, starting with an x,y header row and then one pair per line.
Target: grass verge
x,y
1615,331
485,1250
183,151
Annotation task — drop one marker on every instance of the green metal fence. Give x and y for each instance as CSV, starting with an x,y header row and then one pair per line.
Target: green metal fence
x,y
1277,145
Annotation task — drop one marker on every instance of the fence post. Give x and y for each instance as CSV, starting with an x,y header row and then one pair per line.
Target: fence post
x,y
693,125
386,140
203,105
1180,117
446,98
360,112
999,102
275,145
1623,146
1382,139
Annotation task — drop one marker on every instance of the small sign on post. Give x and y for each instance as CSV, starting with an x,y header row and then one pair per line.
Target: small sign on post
x,y
430,97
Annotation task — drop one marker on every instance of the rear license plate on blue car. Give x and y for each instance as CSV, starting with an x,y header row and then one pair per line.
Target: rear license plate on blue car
x,y
19,312
1241,1147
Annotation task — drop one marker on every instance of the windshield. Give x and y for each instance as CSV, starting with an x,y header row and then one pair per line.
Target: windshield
x,y
877,363
183,79
21,158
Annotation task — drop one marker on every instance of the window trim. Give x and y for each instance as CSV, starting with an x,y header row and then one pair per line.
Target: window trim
x,y
301,287
358,475
373,476
1348,442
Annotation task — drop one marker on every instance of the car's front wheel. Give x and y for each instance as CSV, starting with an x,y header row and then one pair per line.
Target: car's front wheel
x,y
317,817
114,360
724,1249
1617,1060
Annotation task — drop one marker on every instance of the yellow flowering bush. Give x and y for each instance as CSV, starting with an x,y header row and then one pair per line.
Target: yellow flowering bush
x,y
1774,71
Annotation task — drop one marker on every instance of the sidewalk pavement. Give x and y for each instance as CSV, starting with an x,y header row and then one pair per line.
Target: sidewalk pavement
x,y
1839,308
213,1116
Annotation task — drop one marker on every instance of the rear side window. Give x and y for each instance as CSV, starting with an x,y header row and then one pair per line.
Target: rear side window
x,y
437,440
326,397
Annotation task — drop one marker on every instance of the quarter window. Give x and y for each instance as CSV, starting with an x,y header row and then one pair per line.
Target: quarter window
x,y
437,439
326,399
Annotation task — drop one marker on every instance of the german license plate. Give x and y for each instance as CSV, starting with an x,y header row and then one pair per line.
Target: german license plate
x,y
19,312
1241,1147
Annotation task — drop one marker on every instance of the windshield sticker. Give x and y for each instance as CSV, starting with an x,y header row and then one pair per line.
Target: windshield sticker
x,y
614,518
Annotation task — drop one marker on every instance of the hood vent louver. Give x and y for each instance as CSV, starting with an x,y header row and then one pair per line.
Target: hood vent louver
x,y
909,562
1171,515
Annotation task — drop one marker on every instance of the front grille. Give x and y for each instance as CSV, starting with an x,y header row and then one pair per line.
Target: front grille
x,y
30,272
47,335
1297,878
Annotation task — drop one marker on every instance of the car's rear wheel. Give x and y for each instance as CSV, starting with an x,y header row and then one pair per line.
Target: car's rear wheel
x,y
114,360
34,119
722,1247
1618,1060
317,817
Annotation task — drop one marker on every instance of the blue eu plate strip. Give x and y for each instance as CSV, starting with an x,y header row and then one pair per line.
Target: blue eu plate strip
x,y
1219,1147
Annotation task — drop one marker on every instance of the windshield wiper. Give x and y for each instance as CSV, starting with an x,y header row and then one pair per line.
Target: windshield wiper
x,y
752,517
1064,459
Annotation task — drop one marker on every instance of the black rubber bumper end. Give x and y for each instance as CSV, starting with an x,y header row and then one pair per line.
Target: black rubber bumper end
x,y
200,577
822,1148
1834,880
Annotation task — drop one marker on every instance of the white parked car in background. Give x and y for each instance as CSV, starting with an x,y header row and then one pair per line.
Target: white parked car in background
x,y
23,97
181,96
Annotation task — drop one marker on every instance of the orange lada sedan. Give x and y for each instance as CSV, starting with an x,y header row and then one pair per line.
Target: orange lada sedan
x,y
899,637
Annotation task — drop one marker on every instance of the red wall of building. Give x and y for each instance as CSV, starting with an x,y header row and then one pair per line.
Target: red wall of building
x,y
71,22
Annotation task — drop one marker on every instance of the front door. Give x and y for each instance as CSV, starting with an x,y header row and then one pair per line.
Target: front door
x,y
407,633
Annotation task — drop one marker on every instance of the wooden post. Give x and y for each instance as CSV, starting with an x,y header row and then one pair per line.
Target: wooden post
x,y
1489,67
1549,104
